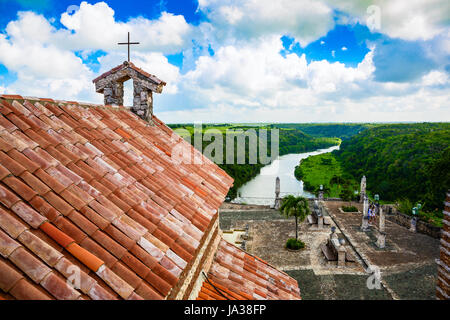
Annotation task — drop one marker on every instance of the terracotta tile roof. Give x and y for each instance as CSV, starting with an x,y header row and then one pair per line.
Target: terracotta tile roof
x,y
94,188
239,275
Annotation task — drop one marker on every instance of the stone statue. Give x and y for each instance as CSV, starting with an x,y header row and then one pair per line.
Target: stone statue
x,y
365,215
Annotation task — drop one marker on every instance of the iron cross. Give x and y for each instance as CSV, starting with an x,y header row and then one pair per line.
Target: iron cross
x,y
128,43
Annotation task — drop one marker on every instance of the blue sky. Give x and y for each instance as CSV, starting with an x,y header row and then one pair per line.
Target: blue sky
x,y
240,61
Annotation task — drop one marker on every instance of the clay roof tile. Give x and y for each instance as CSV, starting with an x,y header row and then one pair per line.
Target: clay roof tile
x,y
101,184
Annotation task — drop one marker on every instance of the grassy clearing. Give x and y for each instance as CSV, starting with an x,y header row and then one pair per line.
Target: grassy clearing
x,y
320,169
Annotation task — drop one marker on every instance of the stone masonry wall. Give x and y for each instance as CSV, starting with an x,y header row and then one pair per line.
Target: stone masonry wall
x,y
405,221
144,84
443,283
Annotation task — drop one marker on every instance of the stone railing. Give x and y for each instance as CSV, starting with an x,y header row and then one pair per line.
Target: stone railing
x,y
405,220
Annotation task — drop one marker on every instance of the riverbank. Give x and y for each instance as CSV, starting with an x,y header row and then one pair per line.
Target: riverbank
x,y
319,170
261,189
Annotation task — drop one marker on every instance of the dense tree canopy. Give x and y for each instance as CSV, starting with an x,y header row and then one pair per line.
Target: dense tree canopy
x,y
401,161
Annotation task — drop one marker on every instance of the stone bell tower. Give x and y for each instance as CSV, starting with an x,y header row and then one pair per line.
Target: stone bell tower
x,y
110,84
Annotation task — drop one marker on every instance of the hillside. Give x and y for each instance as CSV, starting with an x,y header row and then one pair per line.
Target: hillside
x,y
342,131
401,161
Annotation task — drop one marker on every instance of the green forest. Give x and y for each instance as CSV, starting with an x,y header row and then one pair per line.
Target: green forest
x,y
342,131
401,161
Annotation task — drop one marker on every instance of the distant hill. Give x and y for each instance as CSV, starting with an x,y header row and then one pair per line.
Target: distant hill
x,y
401,161
342,131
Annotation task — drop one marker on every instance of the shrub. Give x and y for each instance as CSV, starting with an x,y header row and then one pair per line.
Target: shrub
x,y
349,209
404,206
294,244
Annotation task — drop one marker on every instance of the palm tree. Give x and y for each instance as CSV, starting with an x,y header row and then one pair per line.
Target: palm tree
x,y
297,207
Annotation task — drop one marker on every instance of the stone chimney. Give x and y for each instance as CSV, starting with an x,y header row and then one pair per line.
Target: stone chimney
x,y
110,84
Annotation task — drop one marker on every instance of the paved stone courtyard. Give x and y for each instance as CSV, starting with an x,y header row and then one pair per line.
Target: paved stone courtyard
x,y
407,264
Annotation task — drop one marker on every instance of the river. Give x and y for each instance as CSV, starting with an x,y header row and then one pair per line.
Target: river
x,y
261,189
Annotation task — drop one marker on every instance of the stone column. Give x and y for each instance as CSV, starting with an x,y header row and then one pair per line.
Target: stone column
x,y
365,217
142,101
362,192
149,104
118,93
381,240
108,93
382,220
277,194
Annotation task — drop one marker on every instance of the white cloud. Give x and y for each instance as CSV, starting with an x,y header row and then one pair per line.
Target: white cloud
x,y
247,79
306,20
344,49
42,68
246,75
94,27
435,78
254,82
408,20
257,75
44,61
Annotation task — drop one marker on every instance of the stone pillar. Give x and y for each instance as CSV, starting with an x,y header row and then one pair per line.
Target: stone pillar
x,y
381,241
109,95
149,106
277,194
443,275
382,220
118,93
365,217
362,193
142,101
